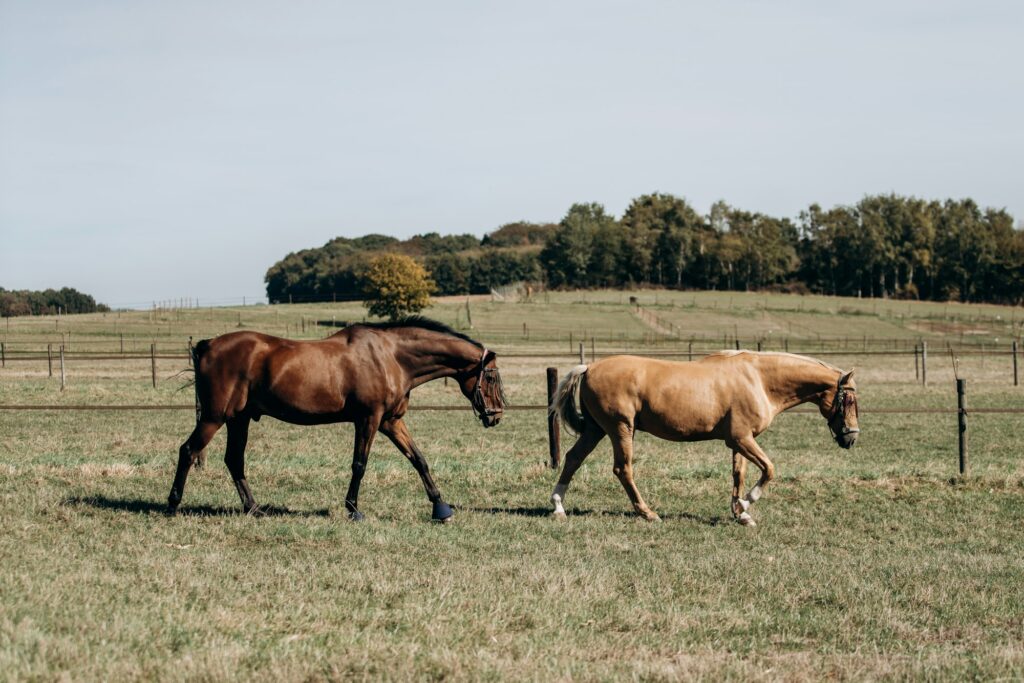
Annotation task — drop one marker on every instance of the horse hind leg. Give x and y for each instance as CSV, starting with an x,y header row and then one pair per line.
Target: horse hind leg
x,y
234,458
622,445
585,444
187,454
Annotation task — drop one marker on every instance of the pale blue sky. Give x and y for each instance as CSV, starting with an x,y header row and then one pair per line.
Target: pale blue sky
x,y
156,150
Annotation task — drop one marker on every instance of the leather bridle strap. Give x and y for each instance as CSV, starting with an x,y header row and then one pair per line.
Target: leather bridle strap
x,y
839,409
478,394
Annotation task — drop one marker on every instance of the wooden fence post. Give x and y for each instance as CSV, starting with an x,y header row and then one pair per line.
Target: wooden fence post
x,y
961,404
152,359
593,351
49,358
3,355
689,350
554,441
924,363
62,367
917,366
582,361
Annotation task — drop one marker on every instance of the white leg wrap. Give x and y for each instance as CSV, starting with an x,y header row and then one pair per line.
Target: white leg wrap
x,y
556,499
744,504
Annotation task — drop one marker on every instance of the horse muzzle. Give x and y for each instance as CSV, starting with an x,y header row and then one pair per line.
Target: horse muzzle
x,y
847,440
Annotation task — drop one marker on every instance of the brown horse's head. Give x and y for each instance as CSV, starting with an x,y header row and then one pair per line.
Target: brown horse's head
x,y
841,411
482,386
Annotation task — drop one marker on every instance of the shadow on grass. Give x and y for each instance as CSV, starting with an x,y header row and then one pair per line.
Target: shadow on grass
x,y
149,507
546,512
523,511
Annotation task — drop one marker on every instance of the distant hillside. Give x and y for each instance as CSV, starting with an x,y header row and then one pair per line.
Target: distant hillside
x,y
47,302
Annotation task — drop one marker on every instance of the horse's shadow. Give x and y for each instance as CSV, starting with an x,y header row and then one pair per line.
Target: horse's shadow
x,y
149,507
546,512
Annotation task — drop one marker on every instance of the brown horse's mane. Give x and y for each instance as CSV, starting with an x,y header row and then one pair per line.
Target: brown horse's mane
x,y
422,323
784,354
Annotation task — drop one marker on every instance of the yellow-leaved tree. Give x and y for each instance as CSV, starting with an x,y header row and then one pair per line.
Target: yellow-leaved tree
x,y
396,286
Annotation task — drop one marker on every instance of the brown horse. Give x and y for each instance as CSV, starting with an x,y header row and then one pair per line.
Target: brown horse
x,y
730,395
362,374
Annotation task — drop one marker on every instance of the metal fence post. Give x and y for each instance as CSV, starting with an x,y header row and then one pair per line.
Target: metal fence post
x,y
554,441
49,358
152,359
1015,376
924,363
961,403
62,367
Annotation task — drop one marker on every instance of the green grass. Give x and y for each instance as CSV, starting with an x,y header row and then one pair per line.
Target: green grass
x,y
875,563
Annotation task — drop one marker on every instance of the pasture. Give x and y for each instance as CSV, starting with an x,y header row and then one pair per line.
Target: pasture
x,y
875,563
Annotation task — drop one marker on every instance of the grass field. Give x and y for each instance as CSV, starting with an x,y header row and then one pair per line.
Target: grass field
x,y
875,563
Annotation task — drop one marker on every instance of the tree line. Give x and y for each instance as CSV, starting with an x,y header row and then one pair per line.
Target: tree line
x,y
47,302
883,246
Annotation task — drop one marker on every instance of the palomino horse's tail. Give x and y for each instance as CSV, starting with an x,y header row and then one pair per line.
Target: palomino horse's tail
x,y
564,403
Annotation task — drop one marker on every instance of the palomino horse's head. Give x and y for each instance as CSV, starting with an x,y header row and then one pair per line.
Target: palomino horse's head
x,y
841,412
482,386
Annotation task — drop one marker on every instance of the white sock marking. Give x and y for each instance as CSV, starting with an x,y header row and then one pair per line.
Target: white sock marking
x,y
556,498
754,494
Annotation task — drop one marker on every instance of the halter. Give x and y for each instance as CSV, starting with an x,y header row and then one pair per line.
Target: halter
x,y
839,409
479,403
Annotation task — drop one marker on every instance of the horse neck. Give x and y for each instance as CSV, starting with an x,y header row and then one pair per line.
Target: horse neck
x,y
792,381
434,355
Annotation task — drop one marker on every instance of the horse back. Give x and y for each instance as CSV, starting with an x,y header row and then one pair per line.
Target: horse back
x,y
304,382
680,401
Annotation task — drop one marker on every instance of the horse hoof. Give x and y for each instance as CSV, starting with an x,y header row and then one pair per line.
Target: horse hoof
x,y
171,511
255,511
559,514
746,520
356,516
652,518
442,513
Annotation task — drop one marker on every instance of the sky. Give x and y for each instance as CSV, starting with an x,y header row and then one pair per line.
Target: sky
x,y
163,150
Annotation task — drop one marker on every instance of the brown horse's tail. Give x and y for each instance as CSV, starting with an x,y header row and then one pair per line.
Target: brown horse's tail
x,y
564,402
201,387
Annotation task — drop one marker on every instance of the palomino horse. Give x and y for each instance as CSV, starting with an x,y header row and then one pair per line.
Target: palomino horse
x,y
362,374
730,395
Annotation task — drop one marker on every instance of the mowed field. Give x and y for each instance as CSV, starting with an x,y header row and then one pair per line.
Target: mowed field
x,y
875,563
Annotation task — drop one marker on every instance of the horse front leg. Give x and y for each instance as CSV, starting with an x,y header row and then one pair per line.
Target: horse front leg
x,y
399,435
739,472
365,431
234,458
749,449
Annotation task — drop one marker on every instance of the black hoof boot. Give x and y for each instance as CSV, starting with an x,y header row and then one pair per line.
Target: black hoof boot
x,y
442,513
356,515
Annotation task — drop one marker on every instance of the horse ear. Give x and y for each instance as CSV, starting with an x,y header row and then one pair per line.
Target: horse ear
x,y
846,378
491,355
